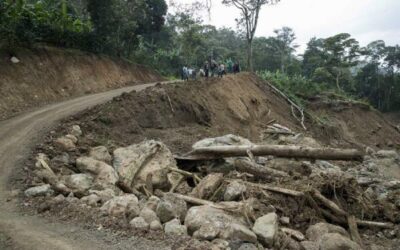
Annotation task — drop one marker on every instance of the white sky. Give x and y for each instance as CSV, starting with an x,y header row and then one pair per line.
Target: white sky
x,y
365,20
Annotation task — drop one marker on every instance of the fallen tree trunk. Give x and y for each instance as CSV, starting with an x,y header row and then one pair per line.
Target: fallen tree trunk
x,y
216,152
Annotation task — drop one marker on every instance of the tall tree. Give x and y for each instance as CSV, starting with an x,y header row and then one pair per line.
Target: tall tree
x,y
285,46
250,12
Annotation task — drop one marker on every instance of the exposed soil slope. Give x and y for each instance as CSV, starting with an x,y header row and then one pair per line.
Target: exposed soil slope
x,y
45,75
183,113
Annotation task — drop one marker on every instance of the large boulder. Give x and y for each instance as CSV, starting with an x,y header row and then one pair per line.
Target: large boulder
x,y
139,223
335,241
316,231
134,163
238,232
229,226
171,207
120,206
105,175
100,153
148,215
266,229
174,228
234,191
79,183
44,190
208,185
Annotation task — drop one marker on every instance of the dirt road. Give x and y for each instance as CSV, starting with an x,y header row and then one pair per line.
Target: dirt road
x,y
20,231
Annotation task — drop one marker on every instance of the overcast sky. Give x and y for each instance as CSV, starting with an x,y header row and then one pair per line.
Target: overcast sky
x,y
366,20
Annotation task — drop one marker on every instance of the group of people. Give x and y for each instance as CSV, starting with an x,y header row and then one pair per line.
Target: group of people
x,y
210,69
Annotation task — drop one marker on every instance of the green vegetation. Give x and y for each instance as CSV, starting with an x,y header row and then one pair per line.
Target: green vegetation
x,y
143,32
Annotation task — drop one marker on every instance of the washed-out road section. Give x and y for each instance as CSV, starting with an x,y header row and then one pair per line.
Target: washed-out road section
x,y
18,136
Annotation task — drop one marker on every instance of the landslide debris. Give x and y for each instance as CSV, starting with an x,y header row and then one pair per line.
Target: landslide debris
x,y
124,173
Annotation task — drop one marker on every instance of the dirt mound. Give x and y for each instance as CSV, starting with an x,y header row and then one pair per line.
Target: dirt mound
x,y
182,113
352,123
45,75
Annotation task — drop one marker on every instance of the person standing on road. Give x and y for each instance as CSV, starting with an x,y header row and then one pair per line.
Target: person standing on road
x,y
206,69
221,70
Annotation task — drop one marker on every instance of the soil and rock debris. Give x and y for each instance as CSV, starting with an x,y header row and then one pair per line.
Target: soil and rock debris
x,y
164,164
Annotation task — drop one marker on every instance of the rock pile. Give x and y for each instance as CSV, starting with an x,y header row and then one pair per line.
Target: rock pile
x,y
216,201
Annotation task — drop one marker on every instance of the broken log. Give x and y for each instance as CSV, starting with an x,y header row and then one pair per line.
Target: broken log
x,y
355,235
289,151
328,203
342,215
271,188
243,165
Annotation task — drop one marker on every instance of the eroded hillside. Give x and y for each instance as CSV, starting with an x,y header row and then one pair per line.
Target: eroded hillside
x,y
45,75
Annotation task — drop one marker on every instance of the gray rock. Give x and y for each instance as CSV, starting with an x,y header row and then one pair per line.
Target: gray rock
x,y
156,226
75,130
148,215
238,232
79,183
125,205
152,202
166,211
72,138
335,241
309,245
220,244
266,229
200,215
170,207
62,159
65,144
105,175
139,223
293,233
105,195
100,153
284,220
315,232
208,185
140,160
175,228
206,232
234,191
178,204
44,190
91,200
59,199
387,154
248,246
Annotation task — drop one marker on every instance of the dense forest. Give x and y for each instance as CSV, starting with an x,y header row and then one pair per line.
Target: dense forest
x,y
143,31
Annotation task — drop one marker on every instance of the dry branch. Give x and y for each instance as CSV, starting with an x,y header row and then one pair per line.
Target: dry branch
x,y
216,152
355,236
272,189
185,173
328,203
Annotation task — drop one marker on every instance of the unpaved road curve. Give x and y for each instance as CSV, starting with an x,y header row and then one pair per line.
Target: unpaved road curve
x,y
18,231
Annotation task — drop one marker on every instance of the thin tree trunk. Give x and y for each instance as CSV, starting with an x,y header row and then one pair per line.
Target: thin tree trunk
x,y
250,55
